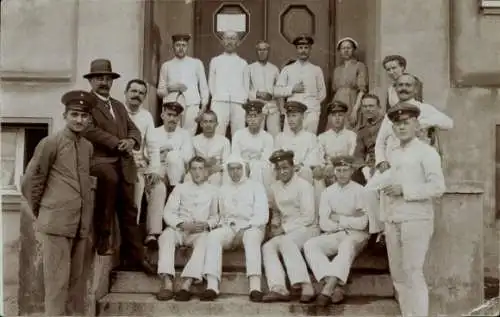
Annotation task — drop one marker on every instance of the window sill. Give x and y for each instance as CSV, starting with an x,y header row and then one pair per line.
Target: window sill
x,y
11,200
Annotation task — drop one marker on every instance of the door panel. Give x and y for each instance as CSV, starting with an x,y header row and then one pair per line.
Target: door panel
x,y
208,43
287,19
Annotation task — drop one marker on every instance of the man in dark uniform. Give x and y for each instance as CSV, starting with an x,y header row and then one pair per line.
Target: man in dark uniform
x,y
114,136
57,186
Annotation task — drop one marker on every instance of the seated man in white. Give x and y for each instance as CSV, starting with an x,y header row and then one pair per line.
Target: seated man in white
x,y
244,212
147,160
214,148
343,221
176,148
337,141
191,211
255,145
294,220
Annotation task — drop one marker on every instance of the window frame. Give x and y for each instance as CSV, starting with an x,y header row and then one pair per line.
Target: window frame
x,y
15,189
489,7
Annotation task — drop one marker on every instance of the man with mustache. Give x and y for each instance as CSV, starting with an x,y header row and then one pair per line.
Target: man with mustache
x,y
263,77
229,85
214,148
114,136
184,75
147,161
395,66
176,148
303,82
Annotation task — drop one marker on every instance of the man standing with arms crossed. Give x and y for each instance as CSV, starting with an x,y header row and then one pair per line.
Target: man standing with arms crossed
x,y
58,188
184,75
303,82
147,160
228,80
114,136
263,77
414,179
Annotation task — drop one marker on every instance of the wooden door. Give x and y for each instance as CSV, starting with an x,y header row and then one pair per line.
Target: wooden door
x,y
210,13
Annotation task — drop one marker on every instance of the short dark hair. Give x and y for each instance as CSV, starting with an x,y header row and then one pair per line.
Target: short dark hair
x,y
372,96
212,113
198,159
398,58
136,81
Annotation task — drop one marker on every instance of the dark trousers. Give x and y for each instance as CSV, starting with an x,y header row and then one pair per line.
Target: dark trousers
x,y
115,195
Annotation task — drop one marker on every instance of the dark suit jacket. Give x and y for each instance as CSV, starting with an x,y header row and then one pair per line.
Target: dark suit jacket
x,y
106,132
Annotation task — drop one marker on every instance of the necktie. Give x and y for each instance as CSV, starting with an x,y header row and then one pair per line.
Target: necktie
x,y
107,104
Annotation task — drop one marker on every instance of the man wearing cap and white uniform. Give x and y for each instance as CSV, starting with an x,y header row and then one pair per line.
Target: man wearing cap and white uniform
x,y
304,82
190,212
176,148
229,82
184,75
244,213
343,220
263,77
254,145
293,222
414,179
147,160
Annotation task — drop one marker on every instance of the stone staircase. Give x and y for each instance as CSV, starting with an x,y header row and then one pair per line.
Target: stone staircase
x,y
369,292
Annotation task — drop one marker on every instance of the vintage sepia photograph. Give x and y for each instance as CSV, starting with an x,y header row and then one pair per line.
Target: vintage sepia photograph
x,y
250,157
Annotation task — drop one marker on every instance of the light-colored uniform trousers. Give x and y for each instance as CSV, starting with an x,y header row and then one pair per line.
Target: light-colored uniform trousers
x,y
407,245
174,167
156,202
228,113
345,245
189,118
273,119
169,240
310,123
289,245
63,270
226,238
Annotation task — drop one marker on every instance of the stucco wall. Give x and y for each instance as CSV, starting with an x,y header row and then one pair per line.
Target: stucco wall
x,y
420,31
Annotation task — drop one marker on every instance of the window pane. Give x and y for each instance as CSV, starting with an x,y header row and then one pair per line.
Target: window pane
x,y
8,172
8,144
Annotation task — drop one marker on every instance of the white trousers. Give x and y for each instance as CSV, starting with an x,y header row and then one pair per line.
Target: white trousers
x,y
289,246
310,123
272,123
407,245
174,167
228,113
169,239
156,202
188,118
227,238
345,247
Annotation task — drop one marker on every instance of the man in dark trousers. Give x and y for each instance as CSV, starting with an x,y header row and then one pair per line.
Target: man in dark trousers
x,y
114,136
57,186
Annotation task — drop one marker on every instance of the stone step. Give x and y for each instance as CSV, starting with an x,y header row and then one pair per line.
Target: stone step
x,y
234,260
236,283
127,304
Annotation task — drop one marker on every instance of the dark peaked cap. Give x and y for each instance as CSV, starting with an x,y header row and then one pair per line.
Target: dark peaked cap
x,y
343,160
281,155
295,106
181,37
173,105
303,39
253,106
337,106
403,108
79,100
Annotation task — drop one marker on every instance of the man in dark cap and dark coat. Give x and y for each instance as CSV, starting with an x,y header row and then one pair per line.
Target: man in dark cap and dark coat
x,y
114,136
58,188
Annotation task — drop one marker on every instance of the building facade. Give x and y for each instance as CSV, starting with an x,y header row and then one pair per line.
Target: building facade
x,y
451,45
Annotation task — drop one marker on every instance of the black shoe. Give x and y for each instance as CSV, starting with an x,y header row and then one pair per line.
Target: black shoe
x,y
183,295
208,295
147,267
256,296
272,297
306,299
165,294
103,247
151,243
323,300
